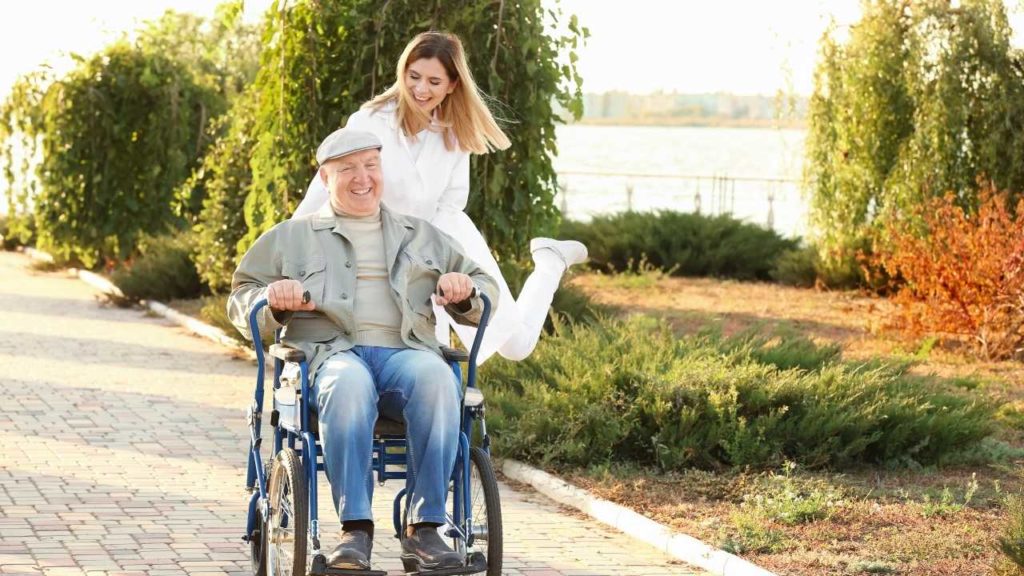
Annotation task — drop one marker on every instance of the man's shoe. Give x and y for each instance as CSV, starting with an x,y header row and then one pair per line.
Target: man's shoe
x,y
354,551
570,251
425,550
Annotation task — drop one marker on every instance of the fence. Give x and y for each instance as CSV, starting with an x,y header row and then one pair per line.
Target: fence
x,y
773,202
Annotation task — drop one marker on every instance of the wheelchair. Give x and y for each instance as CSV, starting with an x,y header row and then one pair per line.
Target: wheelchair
x,y
282,527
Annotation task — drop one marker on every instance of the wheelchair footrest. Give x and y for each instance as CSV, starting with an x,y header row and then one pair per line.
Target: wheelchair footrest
x,y
319,567
477,563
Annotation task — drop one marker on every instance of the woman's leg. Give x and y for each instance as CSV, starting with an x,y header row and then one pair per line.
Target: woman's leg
x,y
551,259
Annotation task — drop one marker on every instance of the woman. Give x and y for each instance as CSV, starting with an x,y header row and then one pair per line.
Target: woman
x,y
429,121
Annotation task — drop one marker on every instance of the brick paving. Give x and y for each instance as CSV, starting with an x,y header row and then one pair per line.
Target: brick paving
x,y
123,444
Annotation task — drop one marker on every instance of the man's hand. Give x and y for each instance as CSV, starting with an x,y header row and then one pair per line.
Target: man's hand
x,y
286,295
453,288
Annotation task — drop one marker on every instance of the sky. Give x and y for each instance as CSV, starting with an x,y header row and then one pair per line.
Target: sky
x,y
639,46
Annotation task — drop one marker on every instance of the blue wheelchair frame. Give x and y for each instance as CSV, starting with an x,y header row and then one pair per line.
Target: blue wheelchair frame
x,y
388,449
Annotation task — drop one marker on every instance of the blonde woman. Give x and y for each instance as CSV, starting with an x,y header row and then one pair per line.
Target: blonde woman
x,y
430,121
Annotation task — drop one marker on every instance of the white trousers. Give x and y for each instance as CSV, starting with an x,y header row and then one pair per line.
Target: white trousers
x,y
520,321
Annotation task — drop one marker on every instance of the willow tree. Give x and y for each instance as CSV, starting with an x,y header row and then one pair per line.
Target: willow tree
x,y
118,134
923,98
322,60
115,137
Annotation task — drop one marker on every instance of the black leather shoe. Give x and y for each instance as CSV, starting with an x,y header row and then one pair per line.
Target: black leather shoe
x,y
354,551
425,551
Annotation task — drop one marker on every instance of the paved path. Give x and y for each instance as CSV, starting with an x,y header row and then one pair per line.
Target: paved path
x,y
122,452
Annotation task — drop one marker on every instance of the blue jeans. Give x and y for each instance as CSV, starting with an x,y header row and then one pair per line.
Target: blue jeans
x,y
351,387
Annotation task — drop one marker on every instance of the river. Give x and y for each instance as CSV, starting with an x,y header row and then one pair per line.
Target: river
x,y
752,173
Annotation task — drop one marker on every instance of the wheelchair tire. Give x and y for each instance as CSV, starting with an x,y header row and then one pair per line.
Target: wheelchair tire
x,y
286,530
486,507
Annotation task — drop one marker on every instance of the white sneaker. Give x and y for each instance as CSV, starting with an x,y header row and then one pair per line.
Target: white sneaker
x,y
570,251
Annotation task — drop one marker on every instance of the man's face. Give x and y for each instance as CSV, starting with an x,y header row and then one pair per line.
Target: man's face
x,y
354,182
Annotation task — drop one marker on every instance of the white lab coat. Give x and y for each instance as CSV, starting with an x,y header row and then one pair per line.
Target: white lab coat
x,y
434,187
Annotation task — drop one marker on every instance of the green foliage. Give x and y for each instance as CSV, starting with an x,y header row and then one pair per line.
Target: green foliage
x,y
117,135
12,239
684,243
922,99
162,271
121,131
1011,540
629,391
222,54
214,311
784,349
751,535
797,267
225,178
946,503
786,499
321,61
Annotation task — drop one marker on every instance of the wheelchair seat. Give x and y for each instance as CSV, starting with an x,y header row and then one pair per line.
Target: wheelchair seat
x,y
286,398
286,401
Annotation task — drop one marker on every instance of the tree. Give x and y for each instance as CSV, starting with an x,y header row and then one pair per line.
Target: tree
x,y
923,99
118,134
321,61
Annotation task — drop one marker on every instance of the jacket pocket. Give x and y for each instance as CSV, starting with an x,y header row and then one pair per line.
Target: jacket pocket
x,y
420,276
311,273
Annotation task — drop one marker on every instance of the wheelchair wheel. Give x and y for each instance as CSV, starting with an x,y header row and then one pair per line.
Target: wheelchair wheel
x,y
286,528
483,486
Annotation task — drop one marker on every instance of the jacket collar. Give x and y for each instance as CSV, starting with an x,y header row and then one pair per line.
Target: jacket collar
x,y
394,227
325,217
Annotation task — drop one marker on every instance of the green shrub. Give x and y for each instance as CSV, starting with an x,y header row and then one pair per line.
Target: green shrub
x,y
223,180
687,244
1011,541
163,270
797,267
629,391
115,136
784,349
16,232
214,311
6,239
790,500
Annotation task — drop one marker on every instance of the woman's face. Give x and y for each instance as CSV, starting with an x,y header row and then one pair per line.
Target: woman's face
x,y
428,83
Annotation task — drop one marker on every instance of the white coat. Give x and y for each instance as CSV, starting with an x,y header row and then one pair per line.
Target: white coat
x,y
434,187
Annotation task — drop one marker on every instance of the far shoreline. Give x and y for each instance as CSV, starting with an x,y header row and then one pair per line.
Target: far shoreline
x,y
694,122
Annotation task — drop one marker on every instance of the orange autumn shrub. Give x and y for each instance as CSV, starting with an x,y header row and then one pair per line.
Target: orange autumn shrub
x,y
960,272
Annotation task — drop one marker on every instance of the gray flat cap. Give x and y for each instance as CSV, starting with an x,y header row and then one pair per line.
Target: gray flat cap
x,y
345,141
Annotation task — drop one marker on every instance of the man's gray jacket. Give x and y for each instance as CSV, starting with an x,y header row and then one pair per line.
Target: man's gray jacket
x,y
315,250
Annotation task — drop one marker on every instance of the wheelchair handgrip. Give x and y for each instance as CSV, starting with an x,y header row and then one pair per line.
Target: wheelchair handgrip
x,y
254,325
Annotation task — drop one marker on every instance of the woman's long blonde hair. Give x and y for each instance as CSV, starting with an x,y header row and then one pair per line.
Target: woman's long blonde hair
x,y
465,118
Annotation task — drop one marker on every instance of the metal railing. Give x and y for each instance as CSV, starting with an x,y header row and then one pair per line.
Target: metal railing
x,y
774,202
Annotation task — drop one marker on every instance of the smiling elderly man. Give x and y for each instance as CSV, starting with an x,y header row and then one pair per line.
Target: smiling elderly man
x,y
368,329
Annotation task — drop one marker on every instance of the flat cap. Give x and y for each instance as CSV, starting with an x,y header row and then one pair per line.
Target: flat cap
x,y
345,141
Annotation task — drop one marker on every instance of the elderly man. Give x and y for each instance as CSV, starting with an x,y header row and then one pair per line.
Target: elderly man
x,y
368,330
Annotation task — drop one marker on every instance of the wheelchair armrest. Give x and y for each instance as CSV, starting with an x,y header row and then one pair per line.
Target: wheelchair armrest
x,y
287,353
454,354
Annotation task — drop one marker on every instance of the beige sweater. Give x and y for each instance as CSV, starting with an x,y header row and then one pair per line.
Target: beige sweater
x,y
378,318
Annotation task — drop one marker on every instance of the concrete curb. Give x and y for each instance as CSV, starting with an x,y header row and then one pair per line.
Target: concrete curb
x,y
191,324
677,545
